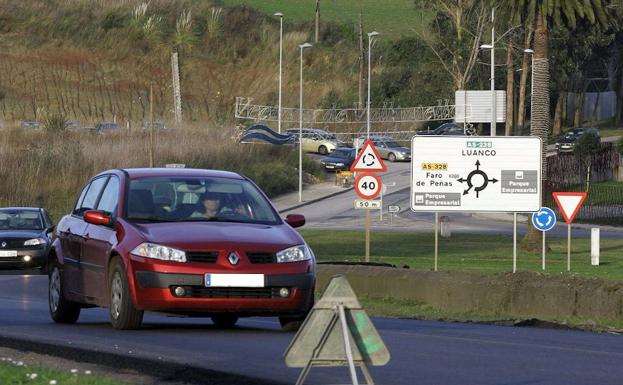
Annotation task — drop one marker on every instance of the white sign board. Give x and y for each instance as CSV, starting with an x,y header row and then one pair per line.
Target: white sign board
x,y
367,204
475,106
495,174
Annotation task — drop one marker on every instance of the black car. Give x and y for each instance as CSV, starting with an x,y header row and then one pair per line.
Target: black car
x,y
451,129
567,142
25,237
339,160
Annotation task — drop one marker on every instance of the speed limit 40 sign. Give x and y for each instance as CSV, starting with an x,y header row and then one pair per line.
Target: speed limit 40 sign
x,y
368,185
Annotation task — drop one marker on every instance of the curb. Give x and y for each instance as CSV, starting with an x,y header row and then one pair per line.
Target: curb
x,y
315,200
159,369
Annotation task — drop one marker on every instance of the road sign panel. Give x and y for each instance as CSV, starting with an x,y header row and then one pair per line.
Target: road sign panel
x,y
368,186
494,174
367,204
569,203
544,219
368,159
394,209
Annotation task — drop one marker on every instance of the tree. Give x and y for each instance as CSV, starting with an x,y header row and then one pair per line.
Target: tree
x,y
585,148
455,35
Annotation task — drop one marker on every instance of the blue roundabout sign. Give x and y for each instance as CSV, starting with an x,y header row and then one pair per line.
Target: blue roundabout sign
x,y
544,219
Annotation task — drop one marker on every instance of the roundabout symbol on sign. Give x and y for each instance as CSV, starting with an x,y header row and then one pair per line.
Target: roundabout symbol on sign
x,y
544,219
485,180
368,185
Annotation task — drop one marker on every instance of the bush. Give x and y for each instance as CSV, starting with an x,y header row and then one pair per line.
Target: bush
x,y
55,123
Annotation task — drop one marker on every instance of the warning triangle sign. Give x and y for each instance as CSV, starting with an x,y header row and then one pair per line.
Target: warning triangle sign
x,y
321,338
569,203
368,159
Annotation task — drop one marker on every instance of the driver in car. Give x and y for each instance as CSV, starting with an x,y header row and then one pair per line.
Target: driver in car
x,y
212,207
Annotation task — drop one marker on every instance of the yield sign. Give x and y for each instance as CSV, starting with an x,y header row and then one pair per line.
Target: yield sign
x,y
368,159
569,203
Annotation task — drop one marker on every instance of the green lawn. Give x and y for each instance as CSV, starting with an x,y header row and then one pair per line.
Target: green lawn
x,y
10,373
462,252
390,17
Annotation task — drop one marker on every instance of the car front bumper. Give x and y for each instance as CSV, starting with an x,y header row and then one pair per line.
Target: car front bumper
x,y
155,286
38,258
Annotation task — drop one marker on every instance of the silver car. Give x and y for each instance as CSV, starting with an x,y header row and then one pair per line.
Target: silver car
x,y
389,149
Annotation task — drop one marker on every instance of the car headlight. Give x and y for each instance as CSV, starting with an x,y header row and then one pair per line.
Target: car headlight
x,y
164,253
34,242
294,254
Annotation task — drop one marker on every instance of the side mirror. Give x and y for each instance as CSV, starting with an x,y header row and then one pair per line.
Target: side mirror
x,y
96,217
295,220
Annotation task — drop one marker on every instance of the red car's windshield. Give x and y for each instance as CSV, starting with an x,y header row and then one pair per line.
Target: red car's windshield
x,y
183,199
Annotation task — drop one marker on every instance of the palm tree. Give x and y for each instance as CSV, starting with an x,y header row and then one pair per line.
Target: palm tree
x,y
548,14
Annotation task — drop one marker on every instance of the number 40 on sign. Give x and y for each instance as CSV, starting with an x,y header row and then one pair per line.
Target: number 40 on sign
x,y
368,186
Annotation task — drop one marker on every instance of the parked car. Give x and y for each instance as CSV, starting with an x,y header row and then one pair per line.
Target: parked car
x,y
180,241
158,125
317,140
25,237
389,149
567,142
339,160
106,127
30,124
452,129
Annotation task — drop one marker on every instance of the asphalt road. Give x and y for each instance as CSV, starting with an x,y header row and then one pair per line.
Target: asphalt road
x,y
423,352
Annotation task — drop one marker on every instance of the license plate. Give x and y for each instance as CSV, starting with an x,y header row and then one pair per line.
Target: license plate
x,y
329,166
234,280
8,253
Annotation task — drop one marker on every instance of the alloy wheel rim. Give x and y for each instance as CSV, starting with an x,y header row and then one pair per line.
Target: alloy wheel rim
x,y
116,295
55,289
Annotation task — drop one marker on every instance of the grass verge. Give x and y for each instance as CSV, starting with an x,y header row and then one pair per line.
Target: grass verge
x,y
15,373
401,308
482,254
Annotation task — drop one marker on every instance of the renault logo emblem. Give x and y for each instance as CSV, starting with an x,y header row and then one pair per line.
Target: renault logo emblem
x,y
3,244
233,258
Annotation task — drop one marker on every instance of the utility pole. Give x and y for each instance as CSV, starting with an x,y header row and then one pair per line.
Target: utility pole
x,y
361,58
317,35
151,124
177,93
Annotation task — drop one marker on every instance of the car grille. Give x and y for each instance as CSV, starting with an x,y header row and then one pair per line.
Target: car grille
x,y
258,257
14,243
228,292
202,256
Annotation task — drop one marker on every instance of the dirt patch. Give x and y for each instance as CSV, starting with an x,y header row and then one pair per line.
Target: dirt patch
x,y
523,295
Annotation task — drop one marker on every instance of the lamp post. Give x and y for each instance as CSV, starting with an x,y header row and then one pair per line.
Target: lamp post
x,y
280,66
531,53
370,36
492,48
302,47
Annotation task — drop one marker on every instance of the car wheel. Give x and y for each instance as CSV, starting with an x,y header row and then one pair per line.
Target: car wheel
x,y
391,157
322,150
61,310
123,313
224,321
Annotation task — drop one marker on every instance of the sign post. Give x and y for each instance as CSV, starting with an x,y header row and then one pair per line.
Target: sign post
x,y
473,174
569,204
544,220
368,185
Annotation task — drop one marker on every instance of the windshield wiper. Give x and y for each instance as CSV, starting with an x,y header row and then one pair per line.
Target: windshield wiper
x,y
150,219
214,219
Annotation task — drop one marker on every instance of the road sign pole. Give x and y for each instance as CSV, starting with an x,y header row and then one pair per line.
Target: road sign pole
x,y
381,210
514,242
367,235
568,246
543,257
436,238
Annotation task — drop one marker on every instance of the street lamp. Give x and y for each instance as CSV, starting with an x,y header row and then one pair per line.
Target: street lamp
x,y
492,48
531,53
370,36
302,47
280,15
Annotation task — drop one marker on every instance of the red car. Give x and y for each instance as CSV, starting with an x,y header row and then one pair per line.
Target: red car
x,y
180,241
